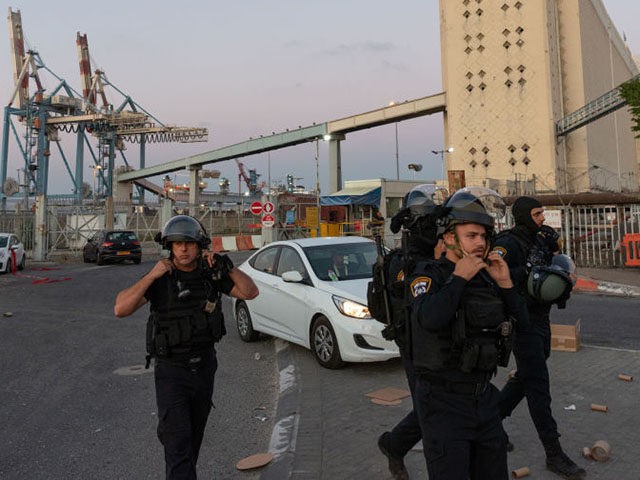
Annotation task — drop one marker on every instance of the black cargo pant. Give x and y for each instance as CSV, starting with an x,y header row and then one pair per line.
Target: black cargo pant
x,y
183,396
531,350
407,432
462,432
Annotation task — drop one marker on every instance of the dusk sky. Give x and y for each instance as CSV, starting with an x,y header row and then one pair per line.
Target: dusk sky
x,y
249,68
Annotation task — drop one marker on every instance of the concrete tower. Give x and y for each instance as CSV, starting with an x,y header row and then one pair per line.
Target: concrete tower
x,y
513,68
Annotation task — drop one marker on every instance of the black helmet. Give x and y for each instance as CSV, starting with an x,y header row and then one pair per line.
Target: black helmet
x,y
552,283
418,206
473,205
184,228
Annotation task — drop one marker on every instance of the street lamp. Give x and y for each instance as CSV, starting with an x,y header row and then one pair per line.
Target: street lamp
x,y
441,153
416,167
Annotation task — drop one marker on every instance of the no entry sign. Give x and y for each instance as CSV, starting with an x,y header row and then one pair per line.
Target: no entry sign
x,y
256,208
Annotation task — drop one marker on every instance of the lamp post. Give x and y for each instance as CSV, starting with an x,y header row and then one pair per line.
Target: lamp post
x,y
441,153
397,155
416,167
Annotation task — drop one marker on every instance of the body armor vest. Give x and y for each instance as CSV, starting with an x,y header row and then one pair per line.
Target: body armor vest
x,y
188,320
477,340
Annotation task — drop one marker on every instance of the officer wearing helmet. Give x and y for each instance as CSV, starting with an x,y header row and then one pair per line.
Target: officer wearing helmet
x,y
185,322
463,309
417,220
530,249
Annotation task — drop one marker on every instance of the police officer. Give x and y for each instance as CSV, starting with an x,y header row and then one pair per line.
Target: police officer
x,y
527,245
463,309
419,234
184,292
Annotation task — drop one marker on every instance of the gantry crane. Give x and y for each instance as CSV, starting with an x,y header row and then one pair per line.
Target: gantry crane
x,y
43,114
64,110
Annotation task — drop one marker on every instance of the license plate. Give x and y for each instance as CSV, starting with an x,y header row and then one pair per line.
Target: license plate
x,y
124,252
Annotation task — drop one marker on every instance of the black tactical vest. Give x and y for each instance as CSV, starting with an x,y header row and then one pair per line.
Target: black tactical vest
x,y
182,324
477,340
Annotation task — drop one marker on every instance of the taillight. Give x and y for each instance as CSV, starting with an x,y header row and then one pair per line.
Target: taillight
x,y
136,243
107,244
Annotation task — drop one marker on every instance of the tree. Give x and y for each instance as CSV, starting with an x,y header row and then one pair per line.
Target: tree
x,y
630,91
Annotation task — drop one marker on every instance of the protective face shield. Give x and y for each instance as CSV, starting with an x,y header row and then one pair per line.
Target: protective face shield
x,y
553,283
473,205
419,203
183,228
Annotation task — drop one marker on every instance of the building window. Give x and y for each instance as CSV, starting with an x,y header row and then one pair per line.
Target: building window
x,y
480,36
511,148
481,48
525,148
526,161
473,164
486,163
469,75
482,73
519,30
468,38
468,50
512,161
479,12
472,151
469,88
521,68
485,150
522,82
520,42
518,5
504,7
508,83
466,14
506,32
508,70
506,45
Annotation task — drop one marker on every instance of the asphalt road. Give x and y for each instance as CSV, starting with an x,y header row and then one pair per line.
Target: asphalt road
x,y
66,412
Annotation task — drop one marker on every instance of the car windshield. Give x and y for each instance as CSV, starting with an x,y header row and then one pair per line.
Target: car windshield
x,y
3,241
121,236
342,261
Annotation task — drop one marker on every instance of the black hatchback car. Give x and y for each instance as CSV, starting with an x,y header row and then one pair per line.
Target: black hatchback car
x,y
112,245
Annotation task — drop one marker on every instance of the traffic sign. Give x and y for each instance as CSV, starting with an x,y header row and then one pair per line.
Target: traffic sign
x,y
268,220
268,207
256,208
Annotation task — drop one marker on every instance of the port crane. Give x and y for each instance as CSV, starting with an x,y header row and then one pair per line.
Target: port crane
x,y
44,114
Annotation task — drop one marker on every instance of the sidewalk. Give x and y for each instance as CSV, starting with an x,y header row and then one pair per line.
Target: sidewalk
x,y
326,427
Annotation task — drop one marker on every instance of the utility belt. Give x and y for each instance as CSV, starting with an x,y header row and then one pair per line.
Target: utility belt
x,y
470,388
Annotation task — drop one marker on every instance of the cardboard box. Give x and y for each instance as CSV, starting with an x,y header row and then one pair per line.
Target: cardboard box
x,y
565,338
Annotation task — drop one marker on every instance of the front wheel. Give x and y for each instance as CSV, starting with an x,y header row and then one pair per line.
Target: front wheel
x,y
244,323
23,262
324,344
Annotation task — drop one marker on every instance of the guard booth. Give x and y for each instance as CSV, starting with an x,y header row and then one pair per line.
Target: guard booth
x,y
350,210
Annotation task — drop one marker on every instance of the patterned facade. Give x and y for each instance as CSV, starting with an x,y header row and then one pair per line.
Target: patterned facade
x,y
511,70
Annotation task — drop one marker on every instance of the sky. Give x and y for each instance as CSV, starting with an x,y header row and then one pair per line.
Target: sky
x,y
249,68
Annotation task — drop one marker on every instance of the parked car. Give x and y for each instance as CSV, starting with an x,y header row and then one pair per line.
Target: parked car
x,y
9,243
112,245
313,292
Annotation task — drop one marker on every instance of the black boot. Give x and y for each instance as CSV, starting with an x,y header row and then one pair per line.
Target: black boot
x,y
558,462
396,464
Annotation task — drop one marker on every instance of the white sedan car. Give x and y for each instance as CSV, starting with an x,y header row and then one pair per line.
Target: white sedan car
x,y
313,292
11,253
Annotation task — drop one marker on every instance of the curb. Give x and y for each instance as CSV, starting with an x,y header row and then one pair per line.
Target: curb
x,y
285,428
610,288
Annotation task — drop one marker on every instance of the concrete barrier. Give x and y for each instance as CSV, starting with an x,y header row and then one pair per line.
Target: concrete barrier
x,y
257,241
244,242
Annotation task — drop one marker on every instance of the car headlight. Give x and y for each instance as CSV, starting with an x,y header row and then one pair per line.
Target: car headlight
x,y
351,308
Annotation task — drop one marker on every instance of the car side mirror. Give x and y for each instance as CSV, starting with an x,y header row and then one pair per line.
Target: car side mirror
x,y
293,276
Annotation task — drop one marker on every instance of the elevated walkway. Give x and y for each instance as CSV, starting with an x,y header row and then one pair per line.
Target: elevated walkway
x,y
592,111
